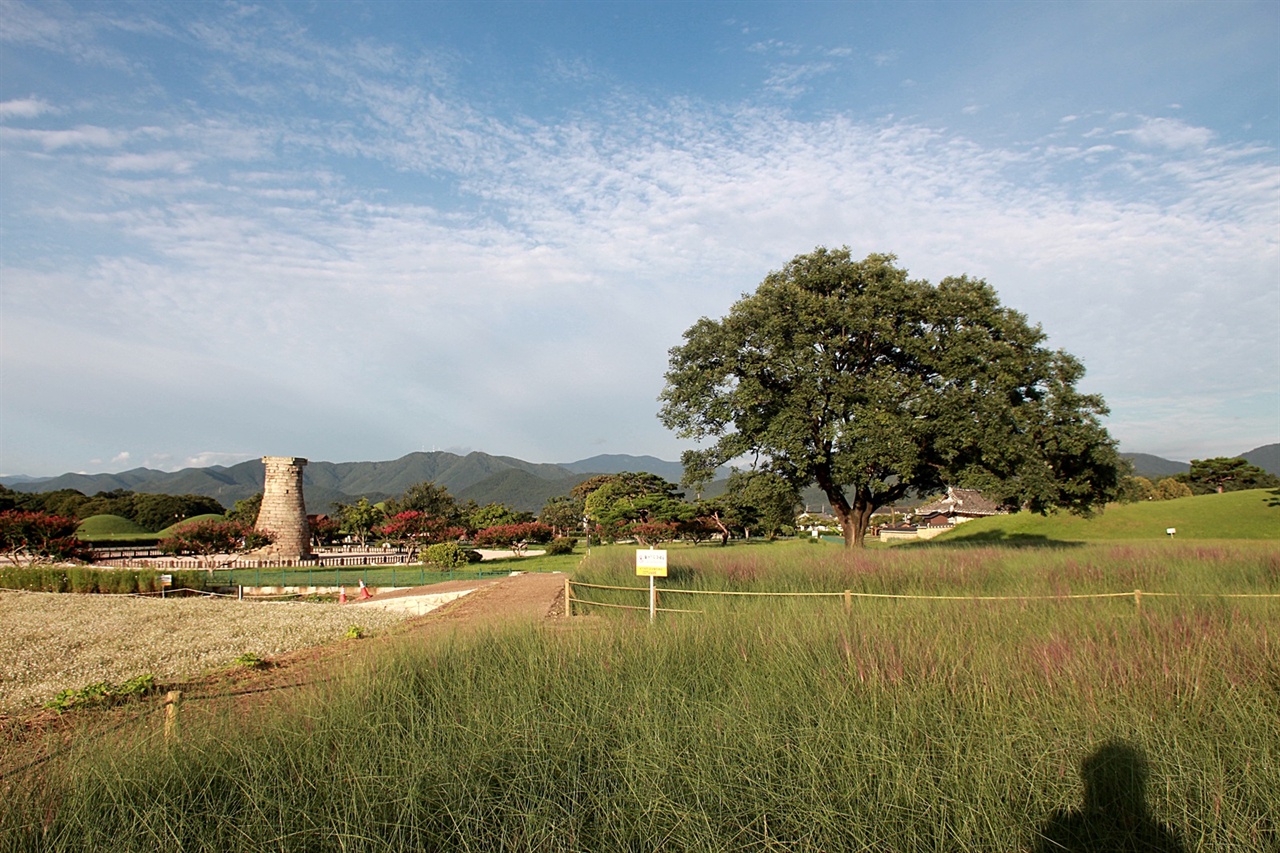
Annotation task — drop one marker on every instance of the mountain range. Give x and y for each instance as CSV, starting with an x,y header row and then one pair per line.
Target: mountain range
x,y
477,476
1266,457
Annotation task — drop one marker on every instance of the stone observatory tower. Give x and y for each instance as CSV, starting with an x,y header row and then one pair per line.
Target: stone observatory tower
x,y
283,513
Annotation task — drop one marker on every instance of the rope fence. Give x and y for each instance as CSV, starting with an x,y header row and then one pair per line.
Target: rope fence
x,y
848,595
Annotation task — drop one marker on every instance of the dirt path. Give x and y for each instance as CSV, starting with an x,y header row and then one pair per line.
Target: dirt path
x,y
526,597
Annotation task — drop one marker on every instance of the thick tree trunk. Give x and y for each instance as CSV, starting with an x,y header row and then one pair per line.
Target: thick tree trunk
x,y
852,518
860,516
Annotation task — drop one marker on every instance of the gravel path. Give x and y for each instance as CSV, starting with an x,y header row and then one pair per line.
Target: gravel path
x,y
50,642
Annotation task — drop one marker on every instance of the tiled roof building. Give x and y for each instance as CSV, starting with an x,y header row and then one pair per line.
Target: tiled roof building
x,y
960,505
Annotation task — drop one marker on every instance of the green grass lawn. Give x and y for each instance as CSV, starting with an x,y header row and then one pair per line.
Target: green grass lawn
x,y
1253,514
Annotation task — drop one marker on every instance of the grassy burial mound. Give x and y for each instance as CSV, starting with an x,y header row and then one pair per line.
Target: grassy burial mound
x,y
105,530
97,527
195,519
758,724
1253,514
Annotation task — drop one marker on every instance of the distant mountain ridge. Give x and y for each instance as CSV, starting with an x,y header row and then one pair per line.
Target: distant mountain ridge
x,y
1266,457
1155,467
477,476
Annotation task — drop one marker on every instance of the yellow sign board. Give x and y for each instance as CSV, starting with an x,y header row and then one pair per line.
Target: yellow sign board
x,y
651,562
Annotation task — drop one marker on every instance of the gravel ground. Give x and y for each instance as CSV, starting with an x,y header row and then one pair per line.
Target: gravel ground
x,y
50,642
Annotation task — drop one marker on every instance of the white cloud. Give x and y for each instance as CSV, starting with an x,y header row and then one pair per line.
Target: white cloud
x,y
72,32
792,80
84,136
23,108
1171,133
164,161
776,48
207,458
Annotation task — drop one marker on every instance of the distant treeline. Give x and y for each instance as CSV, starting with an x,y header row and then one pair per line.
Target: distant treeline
x,y
150,512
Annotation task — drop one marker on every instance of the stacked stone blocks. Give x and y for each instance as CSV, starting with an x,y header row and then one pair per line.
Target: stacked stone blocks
x,y
283,512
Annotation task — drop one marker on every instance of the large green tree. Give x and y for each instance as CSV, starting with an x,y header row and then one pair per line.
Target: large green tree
x,y
852,375
493,515
1226,474
563,513
429,498
767,501
623,500
359,519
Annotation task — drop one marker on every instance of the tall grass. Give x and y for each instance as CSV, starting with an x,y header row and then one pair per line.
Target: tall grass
x,y
1185,568
768,725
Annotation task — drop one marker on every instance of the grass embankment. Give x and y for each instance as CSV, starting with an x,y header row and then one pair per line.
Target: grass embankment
x,y
1253,514
760,725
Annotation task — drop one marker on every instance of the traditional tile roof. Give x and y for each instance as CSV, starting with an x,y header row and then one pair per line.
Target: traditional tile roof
x,y
968,502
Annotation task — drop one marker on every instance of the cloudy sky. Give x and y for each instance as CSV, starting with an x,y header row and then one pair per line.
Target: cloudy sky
x,y
350,231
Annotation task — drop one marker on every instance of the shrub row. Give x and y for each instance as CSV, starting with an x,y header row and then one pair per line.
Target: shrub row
x,y
89,580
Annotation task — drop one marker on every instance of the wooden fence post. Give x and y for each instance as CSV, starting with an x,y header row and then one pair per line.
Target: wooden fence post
x,y
848,603
568,599
1137,601
172,700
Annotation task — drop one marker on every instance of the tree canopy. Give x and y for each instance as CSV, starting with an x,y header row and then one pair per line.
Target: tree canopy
x,y
1226,474
852,375
359,519
631,503
428,498
563,513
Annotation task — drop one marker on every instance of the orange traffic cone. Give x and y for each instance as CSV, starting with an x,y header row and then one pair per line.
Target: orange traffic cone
x,y
364,591
342,595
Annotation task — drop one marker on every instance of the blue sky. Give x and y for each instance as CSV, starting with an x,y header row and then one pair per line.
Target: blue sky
x,y
349,231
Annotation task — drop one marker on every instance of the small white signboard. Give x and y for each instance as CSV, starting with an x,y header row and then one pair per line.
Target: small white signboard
x,y
651,563
166,580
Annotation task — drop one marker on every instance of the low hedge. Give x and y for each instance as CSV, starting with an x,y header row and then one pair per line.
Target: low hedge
x,y
84,579
561,545
448,555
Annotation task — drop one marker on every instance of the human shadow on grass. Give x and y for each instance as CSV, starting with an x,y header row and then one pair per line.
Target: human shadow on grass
x,y
1114,817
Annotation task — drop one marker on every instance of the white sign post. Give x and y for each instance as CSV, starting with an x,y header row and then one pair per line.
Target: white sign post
x,y
653,564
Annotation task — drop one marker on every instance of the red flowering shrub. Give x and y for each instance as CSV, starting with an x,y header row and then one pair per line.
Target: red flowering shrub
x,y
506,535
652,532
412,530
324,530
203,538
28,537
